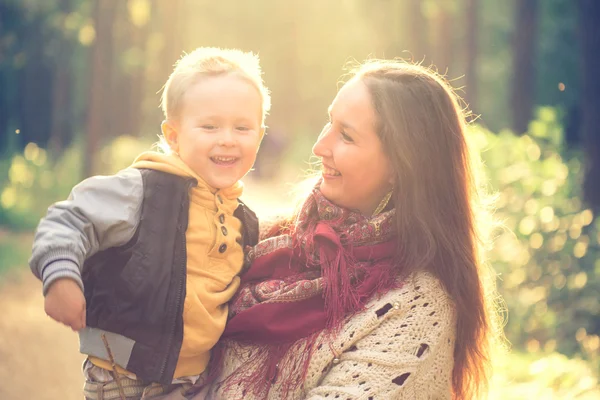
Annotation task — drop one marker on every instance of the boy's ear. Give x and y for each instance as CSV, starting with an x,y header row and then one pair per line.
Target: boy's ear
x,y
170,133
261,136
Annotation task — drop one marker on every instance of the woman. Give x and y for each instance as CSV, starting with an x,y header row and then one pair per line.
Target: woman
x,y
375,288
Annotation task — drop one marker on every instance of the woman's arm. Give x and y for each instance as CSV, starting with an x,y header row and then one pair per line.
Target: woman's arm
x,y
408,356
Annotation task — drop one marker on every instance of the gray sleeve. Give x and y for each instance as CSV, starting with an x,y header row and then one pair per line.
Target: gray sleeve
x,y
101,212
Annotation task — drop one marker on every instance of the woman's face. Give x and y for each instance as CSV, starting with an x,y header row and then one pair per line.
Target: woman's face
x,y
356,172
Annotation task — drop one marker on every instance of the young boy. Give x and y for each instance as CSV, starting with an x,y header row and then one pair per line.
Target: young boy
x,y
147,259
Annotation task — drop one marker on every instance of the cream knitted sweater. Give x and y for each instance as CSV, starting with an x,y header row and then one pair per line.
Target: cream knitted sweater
x,y
401,347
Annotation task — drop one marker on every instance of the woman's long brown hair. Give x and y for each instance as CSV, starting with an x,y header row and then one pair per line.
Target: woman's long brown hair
x,y
437,198
443,218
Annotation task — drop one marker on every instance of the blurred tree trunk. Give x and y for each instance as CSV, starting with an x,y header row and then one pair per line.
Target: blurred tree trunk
x,y
443,33
4,111
472,13
589,13
170,22
61,130
5,72
12,59
286,100
523,82
417,29
119,90
136,78
166,34
35,87
101,58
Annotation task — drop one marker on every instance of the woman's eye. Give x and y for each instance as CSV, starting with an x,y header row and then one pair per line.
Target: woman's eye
x,y
346,137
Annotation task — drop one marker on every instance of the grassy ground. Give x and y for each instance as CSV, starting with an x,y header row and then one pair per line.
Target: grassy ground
x,y
40,358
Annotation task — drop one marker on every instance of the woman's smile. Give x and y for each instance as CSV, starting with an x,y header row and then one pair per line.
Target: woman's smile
x,y
330,173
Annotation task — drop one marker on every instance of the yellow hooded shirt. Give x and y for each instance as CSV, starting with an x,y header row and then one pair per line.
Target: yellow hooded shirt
x,y
214,259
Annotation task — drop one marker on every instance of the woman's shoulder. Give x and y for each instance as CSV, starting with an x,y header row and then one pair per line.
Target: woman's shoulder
x,y
401,345
422,285
419,307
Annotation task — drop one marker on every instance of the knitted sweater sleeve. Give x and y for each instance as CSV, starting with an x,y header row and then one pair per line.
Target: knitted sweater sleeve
x,y
408,355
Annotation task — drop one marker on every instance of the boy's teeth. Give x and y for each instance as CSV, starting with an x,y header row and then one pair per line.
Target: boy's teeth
x,y
224,159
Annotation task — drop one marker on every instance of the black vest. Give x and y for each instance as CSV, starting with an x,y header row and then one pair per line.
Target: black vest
x,y
137,290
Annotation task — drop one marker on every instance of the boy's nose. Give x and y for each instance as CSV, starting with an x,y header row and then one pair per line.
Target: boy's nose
x,y
227,138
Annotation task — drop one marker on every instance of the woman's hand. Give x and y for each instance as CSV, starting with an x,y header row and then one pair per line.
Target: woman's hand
x,y
65,303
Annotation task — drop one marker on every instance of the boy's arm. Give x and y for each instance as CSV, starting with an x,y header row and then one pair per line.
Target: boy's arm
x,y
101,212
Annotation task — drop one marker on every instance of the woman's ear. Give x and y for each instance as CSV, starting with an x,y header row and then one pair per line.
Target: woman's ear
x,y
170,133
391,175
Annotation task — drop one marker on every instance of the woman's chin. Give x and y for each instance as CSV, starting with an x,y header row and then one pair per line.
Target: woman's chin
x,y
329,192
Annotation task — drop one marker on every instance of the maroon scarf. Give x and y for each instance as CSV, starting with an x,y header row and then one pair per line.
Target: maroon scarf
x,y
302,282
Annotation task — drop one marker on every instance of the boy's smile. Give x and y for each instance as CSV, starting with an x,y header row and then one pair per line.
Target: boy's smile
x,y
224,161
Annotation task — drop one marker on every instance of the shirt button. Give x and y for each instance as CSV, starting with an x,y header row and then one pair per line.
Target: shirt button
x,y
222,248
224,231
220,198
222,218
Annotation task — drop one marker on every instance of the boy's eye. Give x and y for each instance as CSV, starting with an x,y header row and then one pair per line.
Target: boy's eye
x,y
209,127
243,128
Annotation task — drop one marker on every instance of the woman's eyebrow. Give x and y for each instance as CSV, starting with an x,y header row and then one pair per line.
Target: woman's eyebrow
x,y
347,126
344,124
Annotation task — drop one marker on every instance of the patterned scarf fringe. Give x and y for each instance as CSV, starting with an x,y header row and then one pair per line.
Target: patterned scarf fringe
x,y
348,285
263,367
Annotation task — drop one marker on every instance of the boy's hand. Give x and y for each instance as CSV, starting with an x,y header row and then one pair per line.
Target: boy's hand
x,y
65,303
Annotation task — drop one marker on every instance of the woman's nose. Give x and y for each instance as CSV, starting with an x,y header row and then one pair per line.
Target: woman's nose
x,y
321,147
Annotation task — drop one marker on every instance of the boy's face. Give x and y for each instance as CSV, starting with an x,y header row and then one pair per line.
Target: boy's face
x,y
219,129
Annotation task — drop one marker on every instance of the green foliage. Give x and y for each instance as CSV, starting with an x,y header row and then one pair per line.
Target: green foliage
x,y
120,153
547,255
30,181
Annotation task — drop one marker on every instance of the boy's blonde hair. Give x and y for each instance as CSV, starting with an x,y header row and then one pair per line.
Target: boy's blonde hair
x,y
211,61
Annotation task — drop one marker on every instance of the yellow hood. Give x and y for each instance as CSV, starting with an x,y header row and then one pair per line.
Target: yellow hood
x,y
172,164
